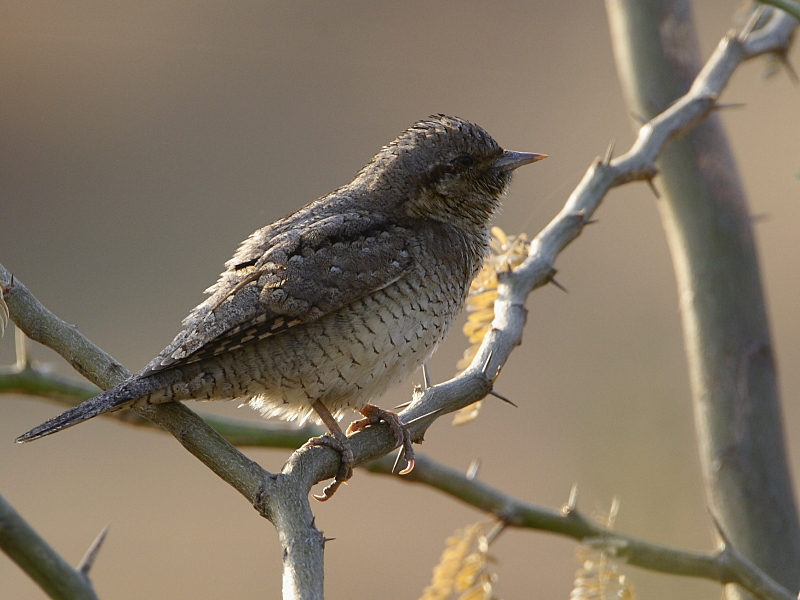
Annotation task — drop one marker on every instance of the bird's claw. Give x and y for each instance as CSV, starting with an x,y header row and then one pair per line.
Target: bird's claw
x,y
409,467
345,472
372,416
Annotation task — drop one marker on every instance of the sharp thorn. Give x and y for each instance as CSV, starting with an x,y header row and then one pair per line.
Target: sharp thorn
x,y
720,531
572,503
787,64
421,417
21,349
426,376
485,368
397,460
609,153
591,221
91,554
613,511
403,405
474,467
503,398
496,530
326,540
751,22
555,282
652,187
639,118
724,105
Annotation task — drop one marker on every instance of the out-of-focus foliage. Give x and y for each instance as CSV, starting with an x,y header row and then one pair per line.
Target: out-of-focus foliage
x,y
463,571
598,577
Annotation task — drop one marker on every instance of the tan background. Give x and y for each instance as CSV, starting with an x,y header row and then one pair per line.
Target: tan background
x,y
141,141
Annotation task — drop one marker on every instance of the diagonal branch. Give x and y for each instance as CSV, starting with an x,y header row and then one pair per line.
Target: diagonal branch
x,y
38,559
638,164
41,325
282,500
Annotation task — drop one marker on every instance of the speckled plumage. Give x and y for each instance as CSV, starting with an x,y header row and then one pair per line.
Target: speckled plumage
x,y
343,298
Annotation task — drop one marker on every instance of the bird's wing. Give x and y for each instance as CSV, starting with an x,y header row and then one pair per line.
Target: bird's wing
x,y
283,276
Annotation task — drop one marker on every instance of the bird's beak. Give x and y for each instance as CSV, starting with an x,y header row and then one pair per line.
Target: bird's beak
x,y
512,160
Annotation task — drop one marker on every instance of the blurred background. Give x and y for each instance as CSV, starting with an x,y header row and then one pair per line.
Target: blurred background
x,y
142,141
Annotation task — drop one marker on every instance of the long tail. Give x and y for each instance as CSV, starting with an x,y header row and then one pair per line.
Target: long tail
x,y
121,396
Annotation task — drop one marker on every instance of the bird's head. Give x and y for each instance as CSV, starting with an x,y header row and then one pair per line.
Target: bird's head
x,y
449,170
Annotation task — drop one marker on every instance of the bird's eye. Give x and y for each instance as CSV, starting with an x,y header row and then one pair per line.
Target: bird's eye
x,y
465,160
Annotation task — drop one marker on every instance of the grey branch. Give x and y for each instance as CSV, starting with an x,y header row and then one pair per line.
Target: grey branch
x,y
285,505
42,564
727,340
791,7
726,566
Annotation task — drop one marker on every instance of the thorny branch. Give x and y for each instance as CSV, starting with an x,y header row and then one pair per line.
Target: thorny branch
x,y
725,566
283,497
42,564
279,497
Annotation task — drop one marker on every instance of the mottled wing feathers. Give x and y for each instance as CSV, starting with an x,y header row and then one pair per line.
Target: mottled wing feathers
x,y
281,277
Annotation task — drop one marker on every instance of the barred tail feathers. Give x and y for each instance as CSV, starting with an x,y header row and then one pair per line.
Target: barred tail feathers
x,y
121,396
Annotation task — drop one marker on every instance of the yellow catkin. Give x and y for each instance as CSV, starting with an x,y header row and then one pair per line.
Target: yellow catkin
x,y
463,571
598,577
506,253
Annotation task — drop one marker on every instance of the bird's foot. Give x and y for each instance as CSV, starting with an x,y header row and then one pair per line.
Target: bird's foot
x,y
374,415
341,444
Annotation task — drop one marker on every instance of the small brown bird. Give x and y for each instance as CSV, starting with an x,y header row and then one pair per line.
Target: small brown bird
x,y
325,309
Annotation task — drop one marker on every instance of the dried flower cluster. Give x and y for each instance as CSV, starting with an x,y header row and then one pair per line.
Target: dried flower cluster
x,y
506,253
463,571
598,577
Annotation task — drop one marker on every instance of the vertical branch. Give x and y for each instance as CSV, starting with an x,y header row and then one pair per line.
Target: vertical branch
x,y
302,543
707,222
